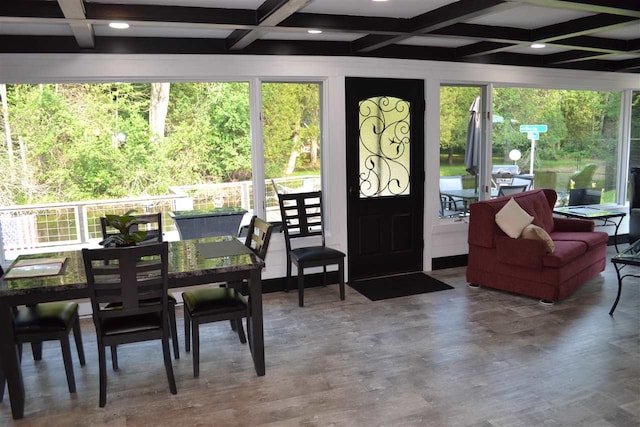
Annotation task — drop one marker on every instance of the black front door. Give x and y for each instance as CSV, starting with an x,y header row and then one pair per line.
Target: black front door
x,y
385,175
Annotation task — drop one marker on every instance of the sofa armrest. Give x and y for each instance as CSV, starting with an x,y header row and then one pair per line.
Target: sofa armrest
x,y
521,252
572,224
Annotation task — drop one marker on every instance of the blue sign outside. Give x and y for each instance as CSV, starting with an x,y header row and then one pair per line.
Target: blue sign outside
x,y
533,128
532,134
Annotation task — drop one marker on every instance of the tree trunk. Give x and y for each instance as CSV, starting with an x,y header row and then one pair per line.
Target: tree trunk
x,y
7,130
295,152
158,109
315,149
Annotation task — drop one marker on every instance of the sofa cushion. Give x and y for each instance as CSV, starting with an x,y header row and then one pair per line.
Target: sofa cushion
x,y
512,219
591,239
534,232
565,252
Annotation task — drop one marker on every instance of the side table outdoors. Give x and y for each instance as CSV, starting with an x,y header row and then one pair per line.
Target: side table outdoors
x,y
629,258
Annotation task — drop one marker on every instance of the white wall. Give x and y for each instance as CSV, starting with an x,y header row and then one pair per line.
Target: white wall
x,y
442,237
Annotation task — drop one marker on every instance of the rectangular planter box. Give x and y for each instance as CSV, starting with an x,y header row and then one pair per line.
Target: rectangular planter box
x,y
199,223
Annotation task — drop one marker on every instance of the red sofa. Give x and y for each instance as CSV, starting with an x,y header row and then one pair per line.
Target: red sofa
x,y
523,266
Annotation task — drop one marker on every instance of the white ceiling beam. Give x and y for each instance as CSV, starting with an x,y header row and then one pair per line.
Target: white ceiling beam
x,y
82,31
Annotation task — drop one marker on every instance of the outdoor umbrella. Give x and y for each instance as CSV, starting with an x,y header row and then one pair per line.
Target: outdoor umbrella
x,y
472,152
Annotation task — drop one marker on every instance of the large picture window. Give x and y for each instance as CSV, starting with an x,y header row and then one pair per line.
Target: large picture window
x,y
74,152
567,139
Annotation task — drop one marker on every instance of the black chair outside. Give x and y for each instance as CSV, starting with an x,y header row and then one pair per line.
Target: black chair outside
x,y
302,217
129,278
153,227
584,196
50,321
523,180
206,305
508,190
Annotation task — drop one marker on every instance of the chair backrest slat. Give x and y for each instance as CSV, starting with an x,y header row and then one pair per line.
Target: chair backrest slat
x,y
302,215
258,236
128,277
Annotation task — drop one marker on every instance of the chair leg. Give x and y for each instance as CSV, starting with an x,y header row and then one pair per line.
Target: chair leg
x,y
36,349
102,362
248,320
114,357
288,279
173,329
3,380
300,285
243,339
68,364
167,362
77,336
324,275
196,347
187,331
341,278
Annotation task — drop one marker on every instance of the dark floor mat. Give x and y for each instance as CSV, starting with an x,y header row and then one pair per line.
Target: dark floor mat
x,y
402,285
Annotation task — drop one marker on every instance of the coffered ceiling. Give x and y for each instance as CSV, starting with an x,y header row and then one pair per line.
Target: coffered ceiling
x,y
599,35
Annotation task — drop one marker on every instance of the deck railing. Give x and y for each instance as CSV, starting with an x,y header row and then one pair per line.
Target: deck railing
x,y
41,226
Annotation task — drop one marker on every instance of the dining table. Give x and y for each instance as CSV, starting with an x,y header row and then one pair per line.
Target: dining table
x,y
191,262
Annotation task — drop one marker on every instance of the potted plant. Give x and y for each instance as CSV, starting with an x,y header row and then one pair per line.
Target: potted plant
x,y
127,226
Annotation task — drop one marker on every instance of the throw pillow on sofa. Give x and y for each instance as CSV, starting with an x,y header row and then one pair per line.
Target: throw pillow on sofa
x,y
534,232
512,219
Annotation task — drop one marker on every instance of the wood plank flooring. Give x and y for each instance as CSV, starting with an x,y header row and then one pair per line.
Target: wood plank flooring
x,y
462,357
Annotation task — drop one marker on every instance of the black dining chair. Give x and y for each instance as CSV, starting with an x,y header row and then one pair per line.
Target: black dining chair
x,y
302,217
51,321
206,305
129,278
153,228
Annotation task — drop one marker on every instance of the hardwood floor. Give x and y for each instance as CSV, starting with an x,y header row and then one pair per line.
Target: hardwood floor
x,y
462,357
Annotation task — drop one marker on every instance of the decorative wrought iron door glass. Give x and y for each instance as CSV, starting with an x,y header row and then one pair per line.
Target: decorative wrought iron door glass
x,y
384,147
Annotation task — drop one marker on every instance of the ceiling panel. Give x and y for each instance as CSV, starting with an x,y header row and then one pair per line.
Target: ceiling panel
x,y
629,32
528,17
392,8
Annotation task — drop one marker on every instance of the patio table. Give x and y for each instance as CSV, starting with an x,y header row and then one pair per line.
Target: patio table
x,y
191,262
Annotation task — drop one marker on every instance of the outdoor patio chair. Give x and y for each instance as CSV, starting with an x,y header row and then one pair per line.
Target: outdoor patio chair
x,y
129,278
453,182
523,180
507,190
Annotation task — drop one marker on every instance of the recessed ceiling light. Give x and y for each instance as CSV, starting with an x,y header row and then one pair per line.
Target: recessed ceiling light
x,y
379,0
314,31
119,25
538,46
